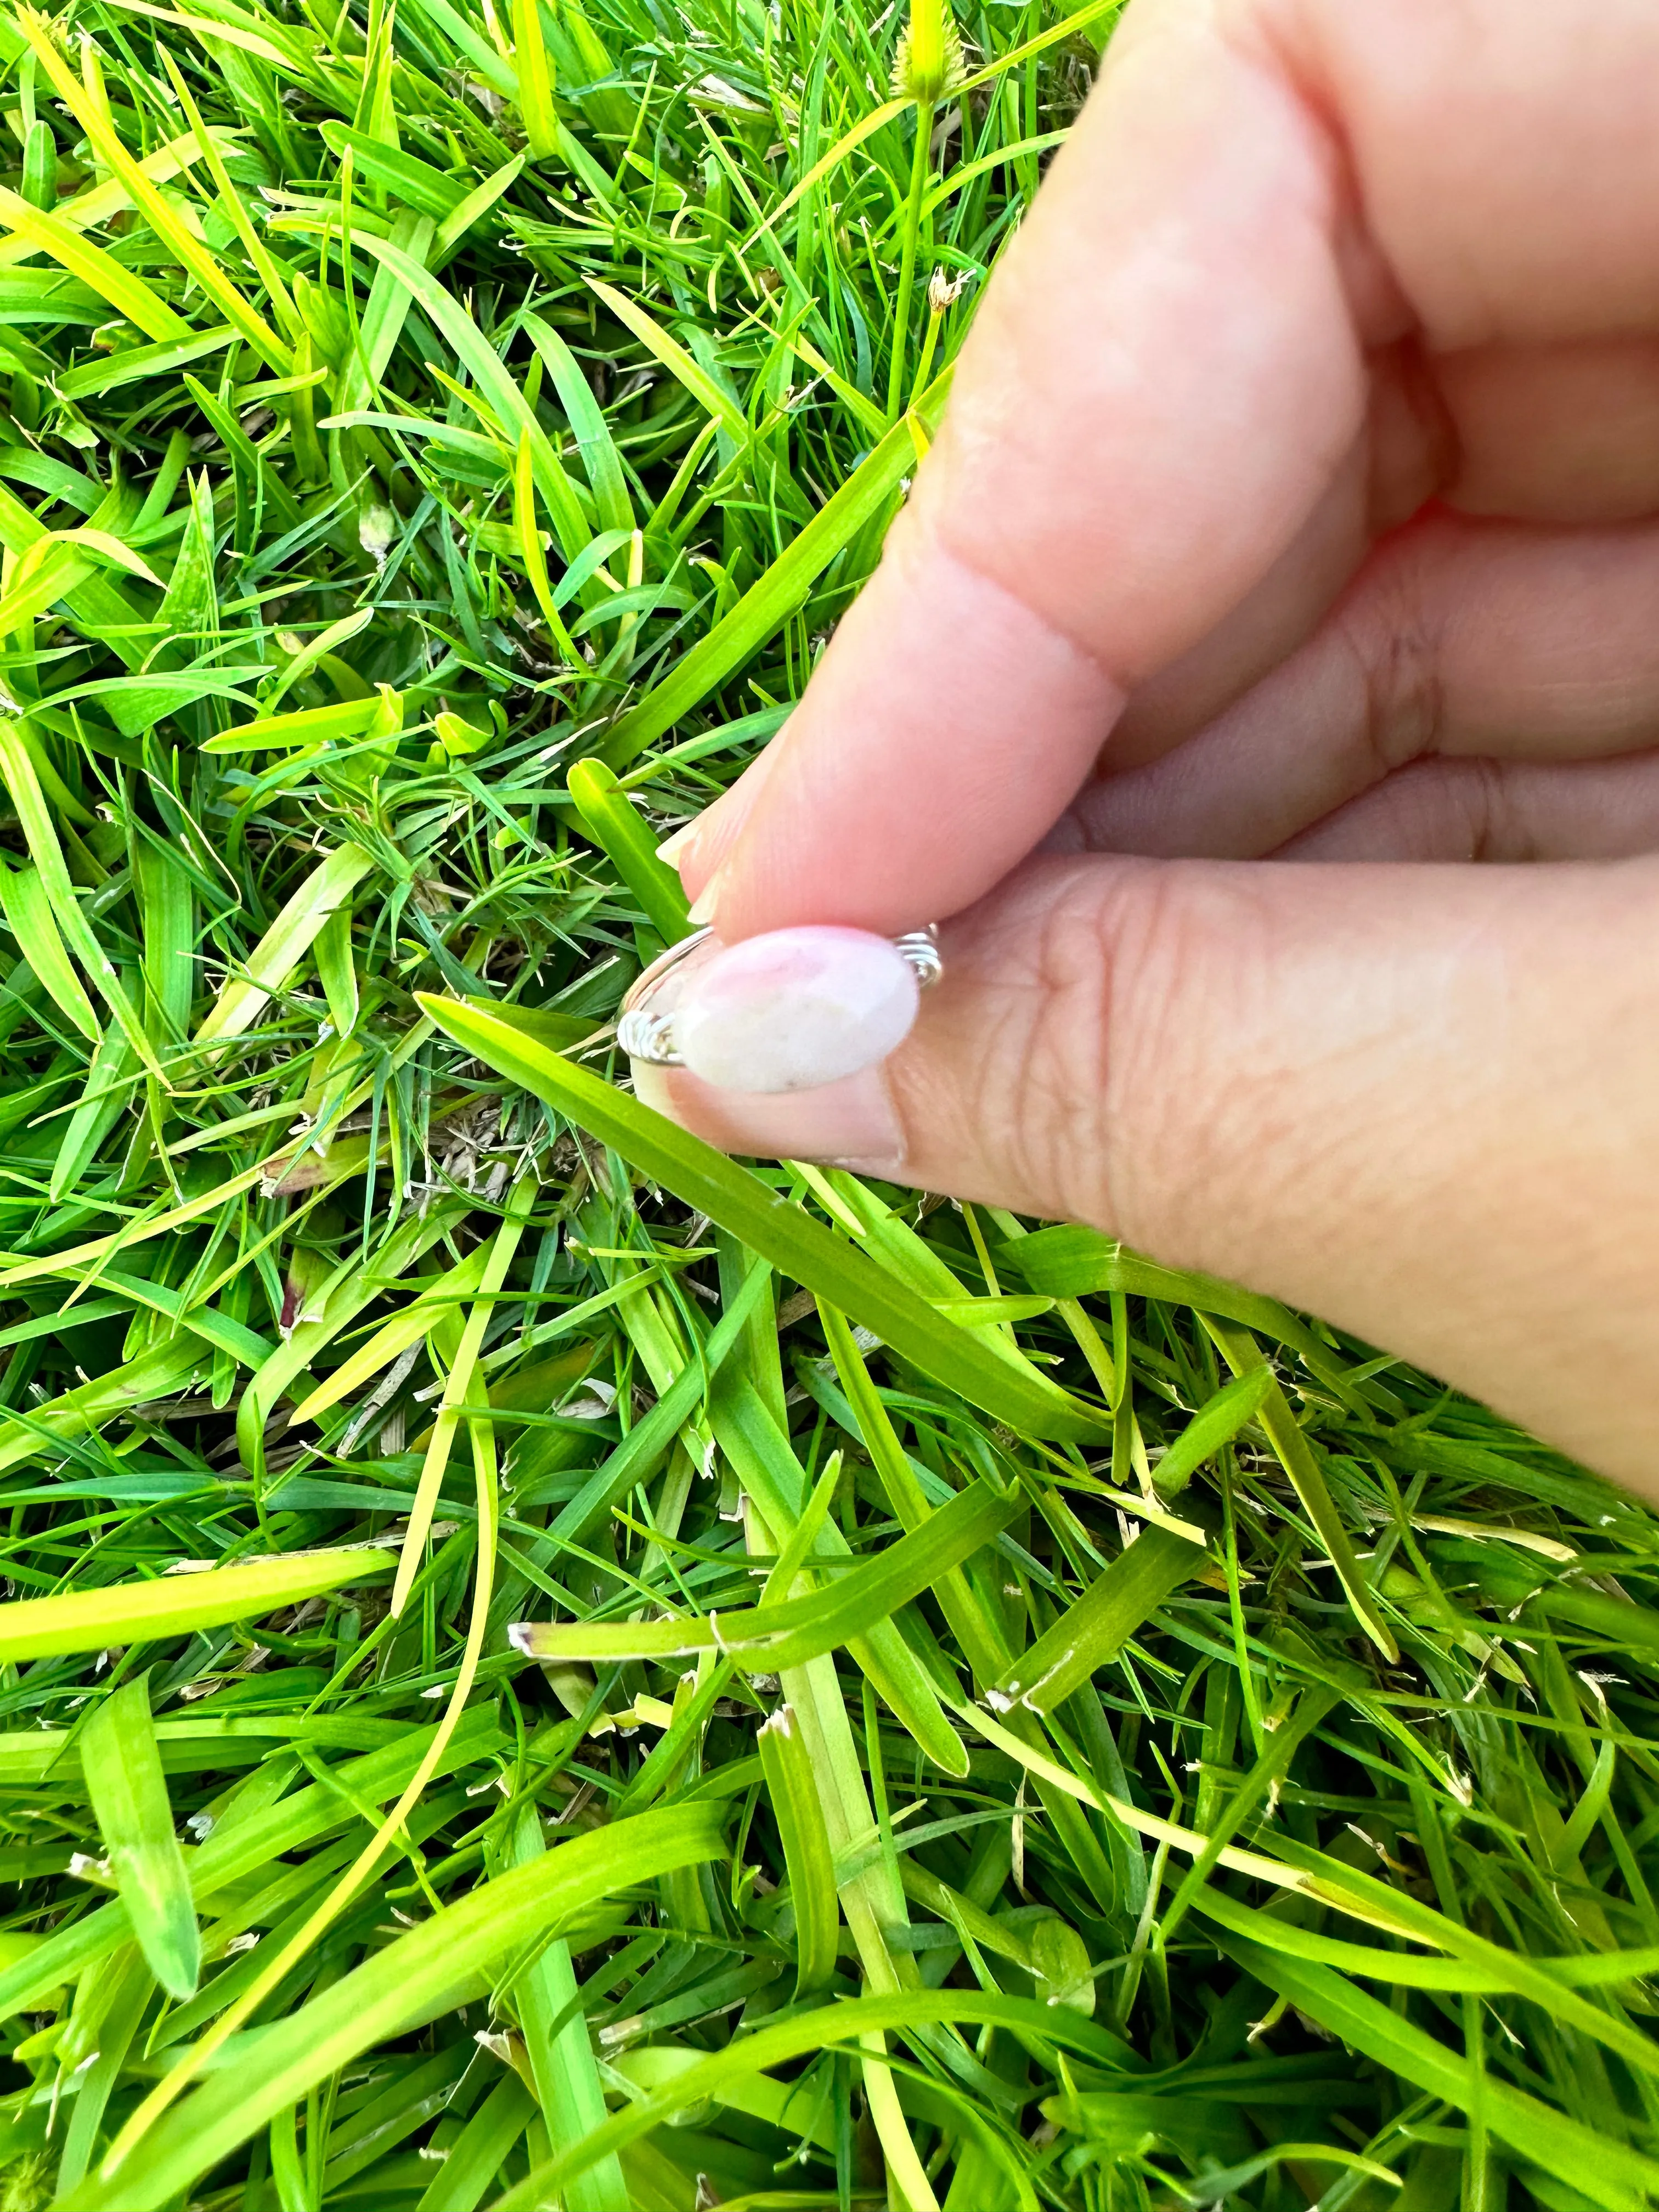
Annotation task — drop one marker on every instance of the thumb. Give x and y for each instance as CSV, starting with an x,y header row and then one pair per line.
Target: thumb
x,y
1422,1101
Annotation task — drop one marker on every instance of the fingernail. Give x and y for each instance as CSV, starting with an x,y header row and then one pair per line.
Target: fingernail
x,y
852,1123
671,849
702,909
796,1010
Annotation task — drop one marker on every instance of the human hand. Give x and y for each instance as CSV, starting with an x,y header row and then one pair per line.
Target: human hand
x,y
1296,502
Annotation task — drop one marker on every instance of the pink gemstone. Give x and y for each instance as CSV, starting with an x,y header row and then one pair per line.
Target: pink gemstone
x,y
795,1009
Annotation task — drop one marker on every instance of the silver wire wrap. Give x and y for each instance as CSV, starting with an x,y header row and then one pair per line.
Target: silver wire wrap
x,y
650,1037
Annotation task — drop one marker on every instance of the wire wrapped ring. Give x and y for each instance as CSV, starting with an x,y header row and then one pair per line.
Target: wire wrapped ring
x,y
650,1037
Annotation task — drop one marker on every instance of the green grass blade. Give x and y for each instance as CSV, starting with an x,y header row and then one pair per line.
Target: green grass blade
x,y
790,1239
794,1630
23,786
123,1767
769,603
444,1961
284,944
133,1613
615,825
794,1796
1095,1628
29,917
1217,1422
1246,1358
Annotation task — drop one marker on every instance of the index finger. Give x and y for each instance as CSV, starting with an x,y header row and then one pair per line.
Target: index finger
x,y
1167,377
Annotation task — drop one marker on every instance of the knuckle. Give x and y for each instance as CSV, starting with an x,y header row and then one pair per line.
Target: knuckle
x,y
1397,647
1097,1061
1189,953
1036,1075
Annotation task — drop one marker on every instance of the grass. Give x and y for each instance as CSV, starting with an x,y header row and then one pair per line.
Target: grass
x,y
715,1686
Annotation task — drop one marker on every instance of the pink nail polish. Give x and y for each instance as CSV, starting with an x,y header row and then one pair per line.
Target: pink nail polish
x,y
796,1010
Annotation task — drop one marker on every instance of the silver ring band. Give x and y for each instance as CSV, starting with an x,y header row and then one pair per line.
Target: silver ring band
x,y
650,1037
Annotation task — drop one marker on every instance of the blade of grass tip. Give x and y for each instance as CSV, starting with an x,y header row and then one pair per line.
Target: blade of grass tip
x,y
827,164
716,403
122,1764
471,212
167,2090
1295,1455
1094,1629
415,1322
457,1389
1217,1422
40,184
787,1235
802,1540
617,828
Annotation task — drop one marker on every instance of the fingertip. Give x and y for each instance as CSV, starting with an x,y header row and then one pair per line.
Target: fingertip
x,y
946,731
698,849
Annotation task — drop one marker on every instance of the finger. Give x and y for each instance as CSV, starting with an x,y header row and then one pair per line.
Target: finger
x,y
1460,638
1165,379
1557,434
1273,618
1422,1101
1053,551
1501,810
1566,433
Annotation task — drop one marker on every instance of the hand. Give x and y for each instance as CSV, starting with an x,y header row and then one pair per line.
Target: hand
x,y
1296,503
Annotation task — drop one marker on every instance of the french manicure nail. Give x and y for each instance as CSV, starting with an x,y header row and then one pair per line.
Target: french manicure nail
x,y
852,1123
703,907
796,1010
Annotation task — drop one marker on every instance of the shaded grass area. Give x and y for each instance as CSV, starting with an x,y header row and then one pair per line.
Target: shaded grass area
x,y
542,1667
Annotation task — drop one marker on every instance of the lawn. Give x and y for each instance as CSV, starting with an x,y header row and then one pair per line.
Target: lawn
x,y
542,1667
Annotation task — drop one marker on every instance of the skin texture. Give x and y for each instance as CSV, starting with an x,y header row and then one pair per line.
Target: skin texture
x,y
1299,501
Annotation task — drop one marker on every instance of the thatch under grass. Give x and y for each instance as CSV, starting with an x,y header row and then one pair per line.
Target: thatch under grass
x,y
1002,1724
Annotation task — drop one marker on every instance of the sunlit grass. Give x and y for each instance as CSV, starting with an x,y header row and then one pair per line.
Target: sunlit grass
x,y
697,1700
